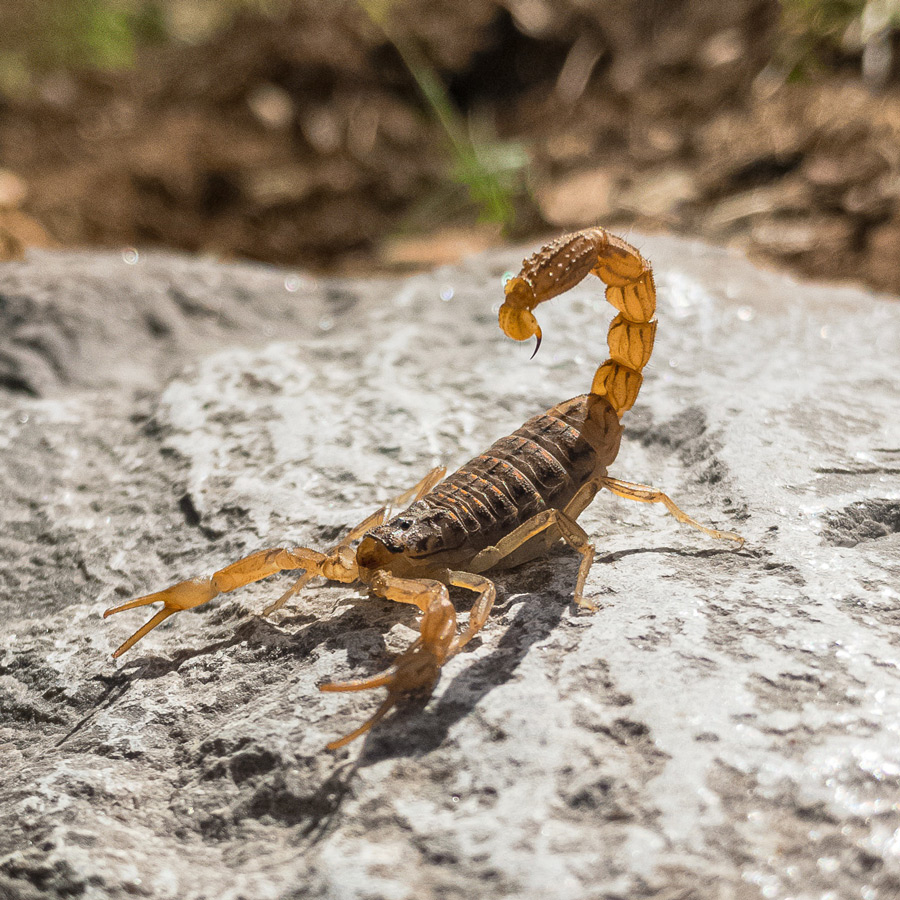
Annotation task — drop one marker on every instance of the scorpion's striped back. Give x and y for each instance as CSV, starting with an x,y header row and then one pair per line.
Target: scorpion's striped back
x,y
540,466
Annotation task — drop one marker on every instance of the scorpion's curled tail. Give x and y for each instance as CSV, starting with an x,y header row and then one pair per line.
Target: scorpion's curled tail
x,y
629,288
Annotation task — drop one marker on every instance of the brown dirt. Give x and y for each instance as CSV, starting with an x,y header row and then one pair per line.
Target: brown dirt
x,y
305,141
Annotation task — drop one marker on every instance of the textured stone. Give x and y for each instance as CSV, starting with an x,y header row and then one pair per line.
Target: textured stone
x,y
724,726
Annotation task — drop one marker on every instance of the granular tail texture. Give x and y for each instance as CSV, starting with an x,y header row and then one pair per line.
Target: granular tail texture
x,y
629,288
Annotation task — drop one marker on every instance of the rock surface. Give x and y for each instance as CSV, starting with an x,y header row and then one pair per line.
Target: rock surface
x,y
725,726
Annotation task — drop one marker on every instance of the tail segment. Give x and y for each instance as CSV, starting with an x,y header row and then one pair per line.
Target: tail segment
x,y
630,289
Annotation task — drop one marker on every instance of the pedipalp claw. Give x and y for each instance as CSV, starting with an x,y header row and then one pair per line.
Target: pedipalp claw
x,y
414,671
158,619
383,679
184,595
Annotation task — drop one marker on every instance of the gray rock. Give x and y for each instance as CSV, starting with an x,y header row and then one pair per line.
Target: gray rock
x,y
725,726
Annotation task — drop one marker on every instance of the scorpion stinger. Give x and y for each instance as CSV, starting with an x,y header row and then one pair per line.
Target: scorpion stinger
x,y
630,289
506,506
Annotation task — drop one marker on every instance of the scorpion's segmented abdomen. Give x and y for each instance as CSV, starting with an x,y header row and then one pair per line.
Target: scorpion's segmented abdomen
x,y
542,465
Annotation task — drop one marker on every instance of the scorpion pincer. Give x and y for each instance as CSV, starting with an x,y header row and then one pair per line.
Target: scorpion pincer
x,y
501,509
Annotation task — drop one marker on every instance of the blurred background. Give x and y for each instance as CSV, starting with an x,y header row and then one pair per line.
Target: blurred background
x,y
383,135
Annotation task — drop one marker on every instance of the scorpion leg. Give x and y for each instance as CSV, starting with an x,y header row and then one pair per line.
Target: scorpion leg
x,y
535,536
373,521
531,539
481,609
417,491
576,537
642,493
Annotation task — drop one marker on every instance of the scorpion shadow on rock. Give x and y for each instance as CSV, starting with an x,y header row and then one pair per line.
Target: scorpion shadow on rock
x,y
144,668
115,686
415,729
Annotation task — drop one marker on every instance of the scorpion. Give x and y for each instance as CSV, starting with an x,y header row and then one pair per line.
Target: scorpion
x,y
506,506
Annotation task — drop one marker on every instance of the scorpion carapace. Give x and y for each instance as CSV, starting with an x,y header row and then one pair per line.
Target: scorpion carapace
x,y
501,509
